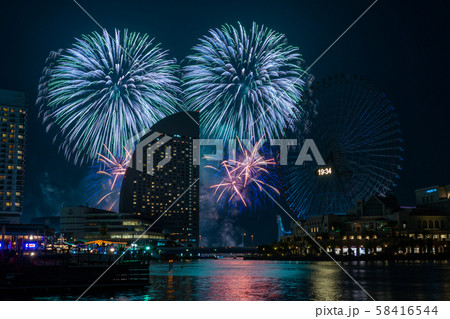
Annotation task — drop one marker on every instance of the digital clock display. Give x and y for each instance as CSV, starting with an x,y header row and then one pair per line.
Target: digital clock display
x,y
324,171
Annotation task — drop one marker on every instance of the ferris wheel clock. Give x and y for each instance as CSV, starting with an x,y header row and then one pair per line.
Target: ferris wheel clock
x,y
357,131
324,171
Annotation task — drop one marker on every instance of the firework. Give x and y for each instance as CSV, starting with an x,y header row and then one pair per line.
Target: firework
x,y
105,180
244,83
105,90
245,175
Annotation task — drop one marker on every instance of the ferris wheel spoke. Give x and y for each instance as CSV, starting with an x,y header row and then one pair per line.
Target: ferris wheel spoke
x,y
357,132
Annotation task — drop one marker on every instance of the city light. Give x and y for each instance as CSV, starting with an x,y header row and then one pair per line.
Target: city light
x,y
30,245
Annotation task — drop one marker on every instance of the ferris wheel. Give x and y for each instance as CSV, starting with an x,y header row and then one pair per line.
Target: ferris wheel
x,y
358,135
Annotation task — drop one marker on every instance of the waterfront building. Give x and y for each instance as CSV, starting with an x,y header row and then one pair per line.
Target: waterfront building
x,y
13,107
82,223
434,197
376,225
25,237
161,186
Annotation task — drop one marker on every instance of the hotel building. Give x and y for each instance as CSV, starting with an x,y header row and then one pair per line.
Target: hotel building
x,y
161,186
13,107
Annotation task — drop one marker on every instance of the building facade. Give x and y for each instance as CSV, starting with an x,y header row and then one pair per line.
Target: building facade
x,y
13,106
161,186
25,237
87,223
376,225
437,197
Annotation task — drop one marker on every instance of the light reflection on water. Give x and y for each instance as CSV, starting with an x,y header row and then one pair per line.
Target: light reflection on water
x,y
237,279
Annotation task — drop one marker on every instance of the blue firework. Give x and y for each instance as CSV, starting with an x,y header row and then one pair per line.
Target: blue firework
x,y
105,90
244,83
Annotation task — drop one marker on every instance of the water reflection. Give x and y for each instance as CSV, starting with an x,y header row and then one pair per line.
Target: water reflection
x,y
238,279
326,281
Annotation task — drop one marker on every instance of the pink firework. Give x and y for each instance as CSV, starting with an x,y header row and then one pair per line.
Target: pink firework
x,y
114,168
245,172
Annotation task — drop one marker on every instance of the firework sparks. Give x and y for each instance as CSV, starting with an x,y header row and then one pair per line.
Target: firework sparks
x,y
106,180
250,169
104,90
114,167
237,77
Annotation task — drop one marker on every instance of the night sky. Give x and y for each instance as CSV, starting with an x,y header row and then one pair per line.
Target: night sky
x,y
403,46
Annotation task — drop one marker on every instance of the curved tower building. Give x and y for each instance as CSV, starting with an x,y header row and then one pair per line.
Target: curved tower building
x,y
161,185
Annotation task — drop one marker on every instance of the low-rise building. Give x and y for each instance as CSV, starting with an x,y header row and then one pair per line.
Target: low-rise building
x,y
25,237
437,197
87,223
379,224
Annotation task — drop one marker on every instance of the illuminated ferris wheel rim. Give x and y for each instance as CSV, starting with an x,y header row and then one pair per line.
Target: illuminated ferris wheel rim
x,y
357,132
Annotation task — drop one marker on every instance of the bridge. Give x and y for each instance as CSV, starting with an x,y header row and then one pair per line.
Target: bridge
x,y
281,231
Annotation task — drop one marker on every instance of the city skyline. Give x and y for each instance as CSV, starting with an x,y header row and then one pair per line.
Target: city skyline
x,y
46,192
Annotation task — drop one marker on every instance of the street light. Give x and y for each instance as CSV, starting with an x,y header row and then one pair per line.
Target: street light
x,y
252,239
243,235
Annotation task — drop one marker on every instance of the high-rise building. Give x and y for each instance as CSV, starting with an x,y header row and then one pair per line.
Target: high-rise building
x,y
163,180
13,106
